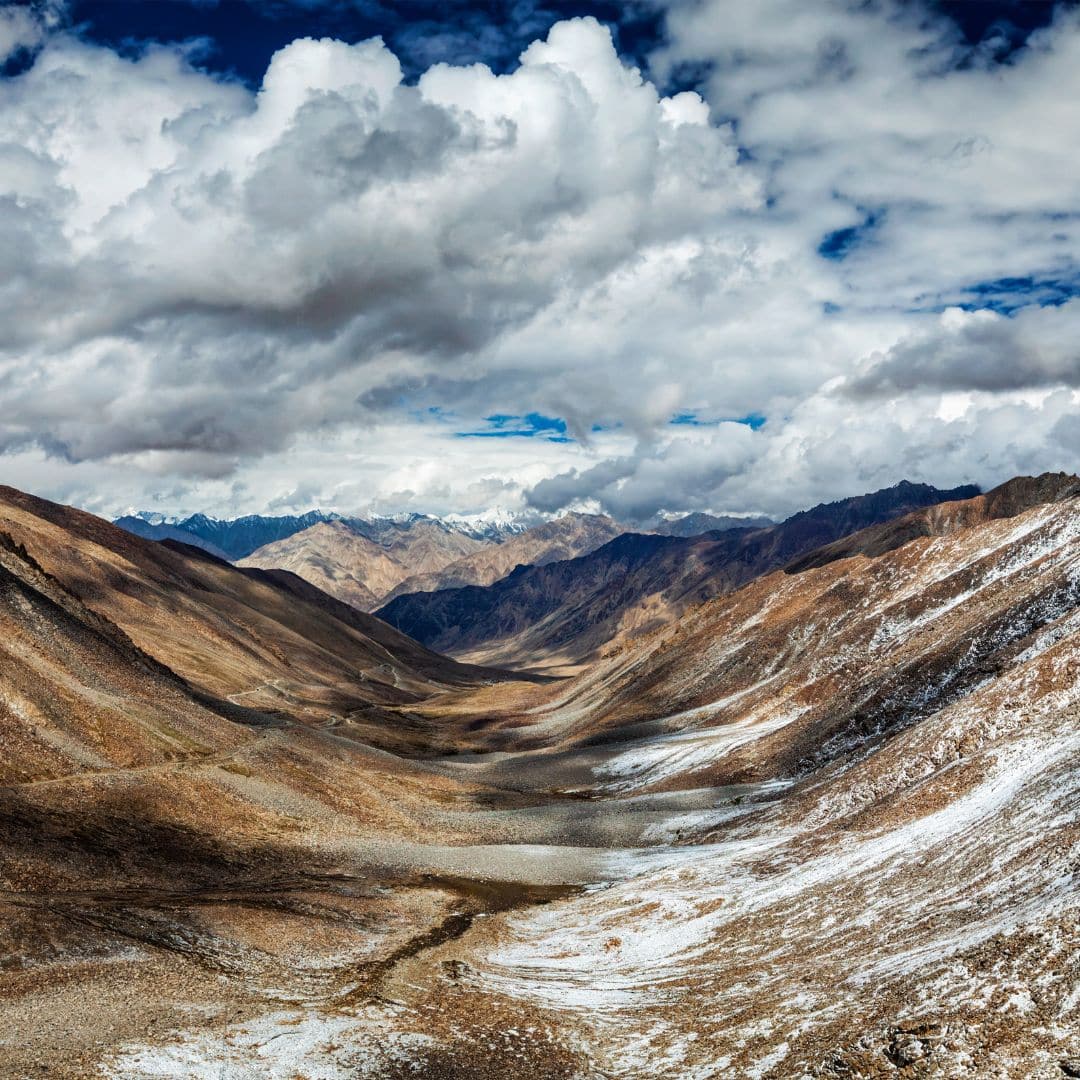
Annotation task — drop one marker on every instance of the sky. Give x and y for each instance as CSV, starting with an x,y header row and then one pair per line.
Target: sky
x,y
646,257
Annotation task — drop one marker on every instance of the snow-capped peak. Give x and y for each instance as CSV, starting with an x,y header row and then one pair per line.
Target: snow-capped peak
x,y
151,517
494,524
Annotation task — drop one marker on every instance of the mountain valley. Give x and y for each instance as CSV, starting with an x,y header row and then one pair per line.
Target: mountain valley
x,y
562,615
824,823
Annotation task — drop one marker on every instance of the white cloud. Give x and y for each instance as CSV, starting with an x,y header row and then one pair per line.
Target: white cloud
x,y
979,350
857,108
216,272
230,298
682,470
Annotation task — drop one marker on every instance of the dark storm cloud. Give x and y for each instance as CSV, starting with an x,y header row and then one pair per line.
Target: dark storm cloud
x,y
676,473
577,485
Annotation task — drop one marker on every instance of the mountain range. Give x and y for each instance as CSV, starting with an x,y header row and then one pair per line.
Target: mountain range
x,y
819,821
889,879
369,561
697,523
564,613
347,564
237,538
350,565
228,636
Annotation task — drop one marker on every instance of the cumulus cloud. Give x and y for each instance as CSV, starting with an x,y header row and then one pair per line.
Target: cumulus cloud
x,y
239,298
684,471
224,270
979,350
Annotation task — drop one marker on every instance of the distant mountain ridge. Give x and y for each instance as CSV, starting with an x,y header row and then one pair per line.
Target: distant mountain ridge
x,y
341,560
566,612
231,539
236,538
361,566
697,523
565,537
160,530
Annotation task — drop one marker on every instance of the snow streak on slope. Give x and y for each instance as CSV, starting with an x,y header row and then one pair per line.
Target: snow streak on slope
x,y
912,897
664,756
801,911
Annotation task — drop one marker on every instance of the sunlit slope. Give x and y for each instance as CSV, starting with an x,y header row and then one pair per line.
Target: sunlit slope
x,y
367,571
898,896
76,694
241,636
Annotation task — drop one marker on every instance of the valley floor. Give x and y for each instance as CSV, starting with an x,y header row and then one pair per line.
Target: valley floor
x,y
827,826
370,968
554,924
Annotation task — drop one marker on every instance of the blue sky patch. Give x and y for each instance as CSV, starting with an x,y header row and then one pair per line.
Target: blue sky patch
x,y
1007,295
840,243
244,34
754,421
527,426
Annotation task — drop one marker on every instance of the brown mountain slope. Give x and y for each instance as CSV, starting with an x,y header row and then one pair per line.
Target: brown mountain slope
x,y
887,889
564,538
425,544
177,842
76,694
891,889
832,824
1010,498
233,634
340,560
336,559
811,663
567,612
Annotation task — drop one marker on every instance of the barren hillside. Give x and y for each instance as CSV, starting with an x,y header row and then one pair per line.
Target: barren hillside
x,y
825,826
367,572
567,613
564,538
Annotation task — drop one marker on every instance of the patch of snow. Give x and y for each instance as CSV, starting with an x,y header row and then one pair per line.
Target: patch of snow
x,y
279,1046
668,755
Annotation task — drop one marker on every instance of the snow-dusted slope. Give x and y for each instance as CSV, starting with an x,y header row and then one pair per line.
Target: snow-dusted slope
x,y
826,826
915,907
906,905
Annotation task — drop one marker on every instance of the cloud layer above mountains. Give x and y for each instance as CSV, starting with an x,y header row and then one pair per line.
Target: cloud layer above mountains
x,y
862,231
